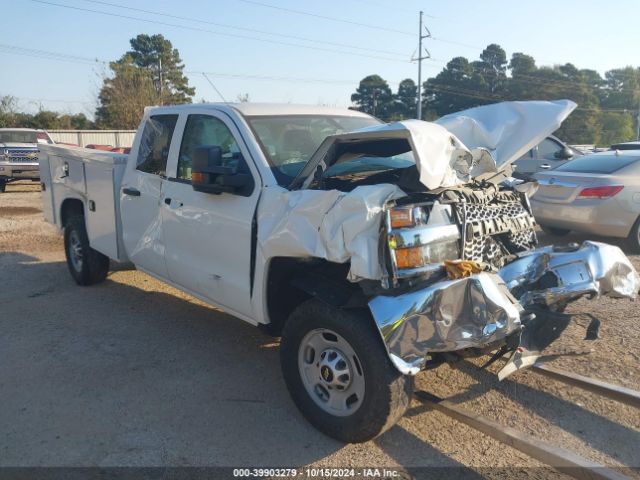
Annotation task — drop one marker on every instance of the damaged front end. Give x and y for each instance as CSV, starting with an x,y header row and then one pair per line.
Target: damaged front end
x,y
510,306
443,247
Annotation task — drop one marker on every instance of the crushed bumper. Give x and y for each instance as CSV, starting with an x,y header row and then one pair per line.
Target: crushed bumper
x,y
481,310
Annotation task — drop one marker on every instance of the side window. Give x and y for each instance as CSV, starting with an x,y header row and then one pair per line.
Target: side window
x,y
548,148
155,143
205,130
527,156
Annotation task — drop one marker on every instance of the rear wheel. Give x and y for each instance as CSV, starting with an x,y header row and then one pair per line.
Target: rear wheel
x,y
633,239
339,374
558,232
86,265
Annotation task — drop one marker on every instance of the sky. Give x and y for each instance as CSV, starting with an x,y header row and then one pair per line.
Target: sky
x,y
264,49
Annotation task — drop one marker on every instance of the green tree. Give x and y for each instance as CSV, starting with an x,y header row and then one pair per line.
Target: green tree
x,y
616,127
405,100
124,95
453,89
8,108
150,73
156,54
373,96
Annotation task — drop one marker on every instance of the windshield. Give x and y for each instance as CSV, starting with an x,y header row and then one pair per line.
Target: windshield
x,y
17,136
288,141
365,157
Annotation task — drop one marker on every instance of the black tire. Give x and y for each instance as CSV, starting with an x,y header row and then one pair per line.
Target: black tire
x,y
558,232
633,240
387,392
94,266
3,186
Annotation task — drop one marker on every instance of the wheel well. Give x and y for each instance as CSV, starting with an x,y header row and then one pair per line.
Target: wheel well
x,y
69,208
291,281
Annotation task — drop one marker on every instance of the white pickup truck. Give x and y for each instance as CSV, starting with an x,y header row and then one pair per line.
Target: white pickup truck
x,y
373,250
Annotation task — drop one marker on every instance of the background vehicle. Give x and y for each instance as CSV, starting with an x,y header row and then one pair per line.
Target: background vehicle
x,y
597,193
19,154
548,154
626,146
329,234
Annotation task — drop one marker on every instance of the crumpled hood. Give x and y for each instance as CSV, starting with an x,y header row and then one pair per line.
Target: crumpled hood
x,y
509,129
443,150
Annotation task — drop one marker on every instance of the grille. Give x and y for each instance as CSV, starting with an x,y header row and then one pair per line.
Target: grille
x,y
21,155
496,228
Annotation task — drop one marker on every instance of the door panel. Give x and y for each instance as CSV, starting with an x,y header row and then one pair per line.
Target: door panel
x,y
208,236
141,194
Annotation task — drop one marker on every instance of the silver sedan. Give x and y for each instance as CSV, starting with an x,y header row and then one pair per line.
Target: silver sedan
x,y
597,194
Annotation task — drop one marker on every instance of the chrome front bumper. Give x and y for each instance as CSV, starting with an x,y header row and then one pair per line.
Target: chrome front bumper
x,y
19,170
481,310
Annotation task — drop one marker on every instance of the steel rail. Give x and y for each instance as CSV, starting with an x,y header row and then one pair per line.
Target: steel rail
x,y
556,457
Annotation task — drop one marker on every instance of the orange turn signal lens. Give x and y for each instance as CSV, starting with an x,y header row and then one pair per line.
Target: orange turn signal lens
x,y
401,217
197,177
409,257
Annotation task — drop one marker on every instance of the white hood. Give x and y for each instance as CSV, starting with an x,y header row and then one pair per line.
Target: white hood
x,y
507,130
455,147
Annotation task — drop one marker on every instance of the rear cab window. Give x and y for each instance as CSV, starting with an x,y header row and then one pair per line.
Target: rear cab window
x,y
598,163
154,144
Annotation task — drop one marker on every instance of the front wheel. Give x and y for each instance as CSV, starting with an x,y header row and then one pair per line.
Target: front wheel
x,y
86,265
339,374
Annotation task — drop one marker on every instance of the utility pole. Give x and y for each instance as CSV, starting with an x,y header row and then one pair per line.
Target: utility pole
x,y
375,100
160,76
421,36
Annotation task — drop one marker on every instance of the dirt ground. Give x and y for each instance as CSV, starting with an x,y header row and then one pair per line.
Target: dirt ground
x,y
133,372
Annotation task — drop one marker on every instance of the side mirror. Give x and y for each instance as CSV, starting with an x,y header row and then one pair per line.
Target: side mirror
x,y
210,175
564,154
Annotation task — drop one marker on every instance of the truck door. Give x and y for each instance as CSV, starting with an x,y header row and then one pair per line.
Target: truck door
x,y
140,195
208,236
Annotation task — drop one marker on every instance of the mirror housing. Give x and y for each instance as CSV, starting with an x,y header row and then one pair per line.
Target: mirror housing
x,y
564,154
210,175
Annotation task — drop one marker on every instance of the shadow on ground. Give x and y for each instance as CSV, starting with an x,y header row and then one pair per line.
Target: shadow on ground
x,y
115,375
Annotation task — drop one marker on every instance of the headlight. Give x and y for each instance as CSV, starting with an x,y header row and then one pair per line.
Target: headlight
x,y
416,257
421,238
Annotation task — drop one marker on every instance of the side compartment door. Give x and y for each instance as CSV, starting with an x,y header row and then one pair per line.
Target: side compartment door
x,y
208,236
141,192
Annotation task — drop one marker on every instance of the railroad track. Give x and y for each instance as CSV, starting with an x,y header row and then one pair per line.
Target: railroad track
x,y
559,458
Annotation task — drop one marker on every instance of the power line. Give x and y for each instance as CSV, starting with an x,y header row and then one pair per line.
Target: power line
x,y
389,7
234,35
56,56
63,57
235,27
325,17
214,87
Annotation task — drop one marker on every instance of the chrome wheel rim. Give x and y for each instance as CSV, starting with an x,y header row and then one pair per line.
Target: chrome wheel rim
x,y
75,251
331,372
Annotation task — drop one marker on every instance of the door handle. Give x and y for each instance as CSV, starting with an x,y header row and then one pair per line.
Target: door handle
x,y
545,166
168,201
131,191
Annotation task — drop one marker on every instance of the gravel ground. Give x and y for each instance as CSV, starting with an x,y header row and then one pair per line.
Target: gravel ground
x,y
133,372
